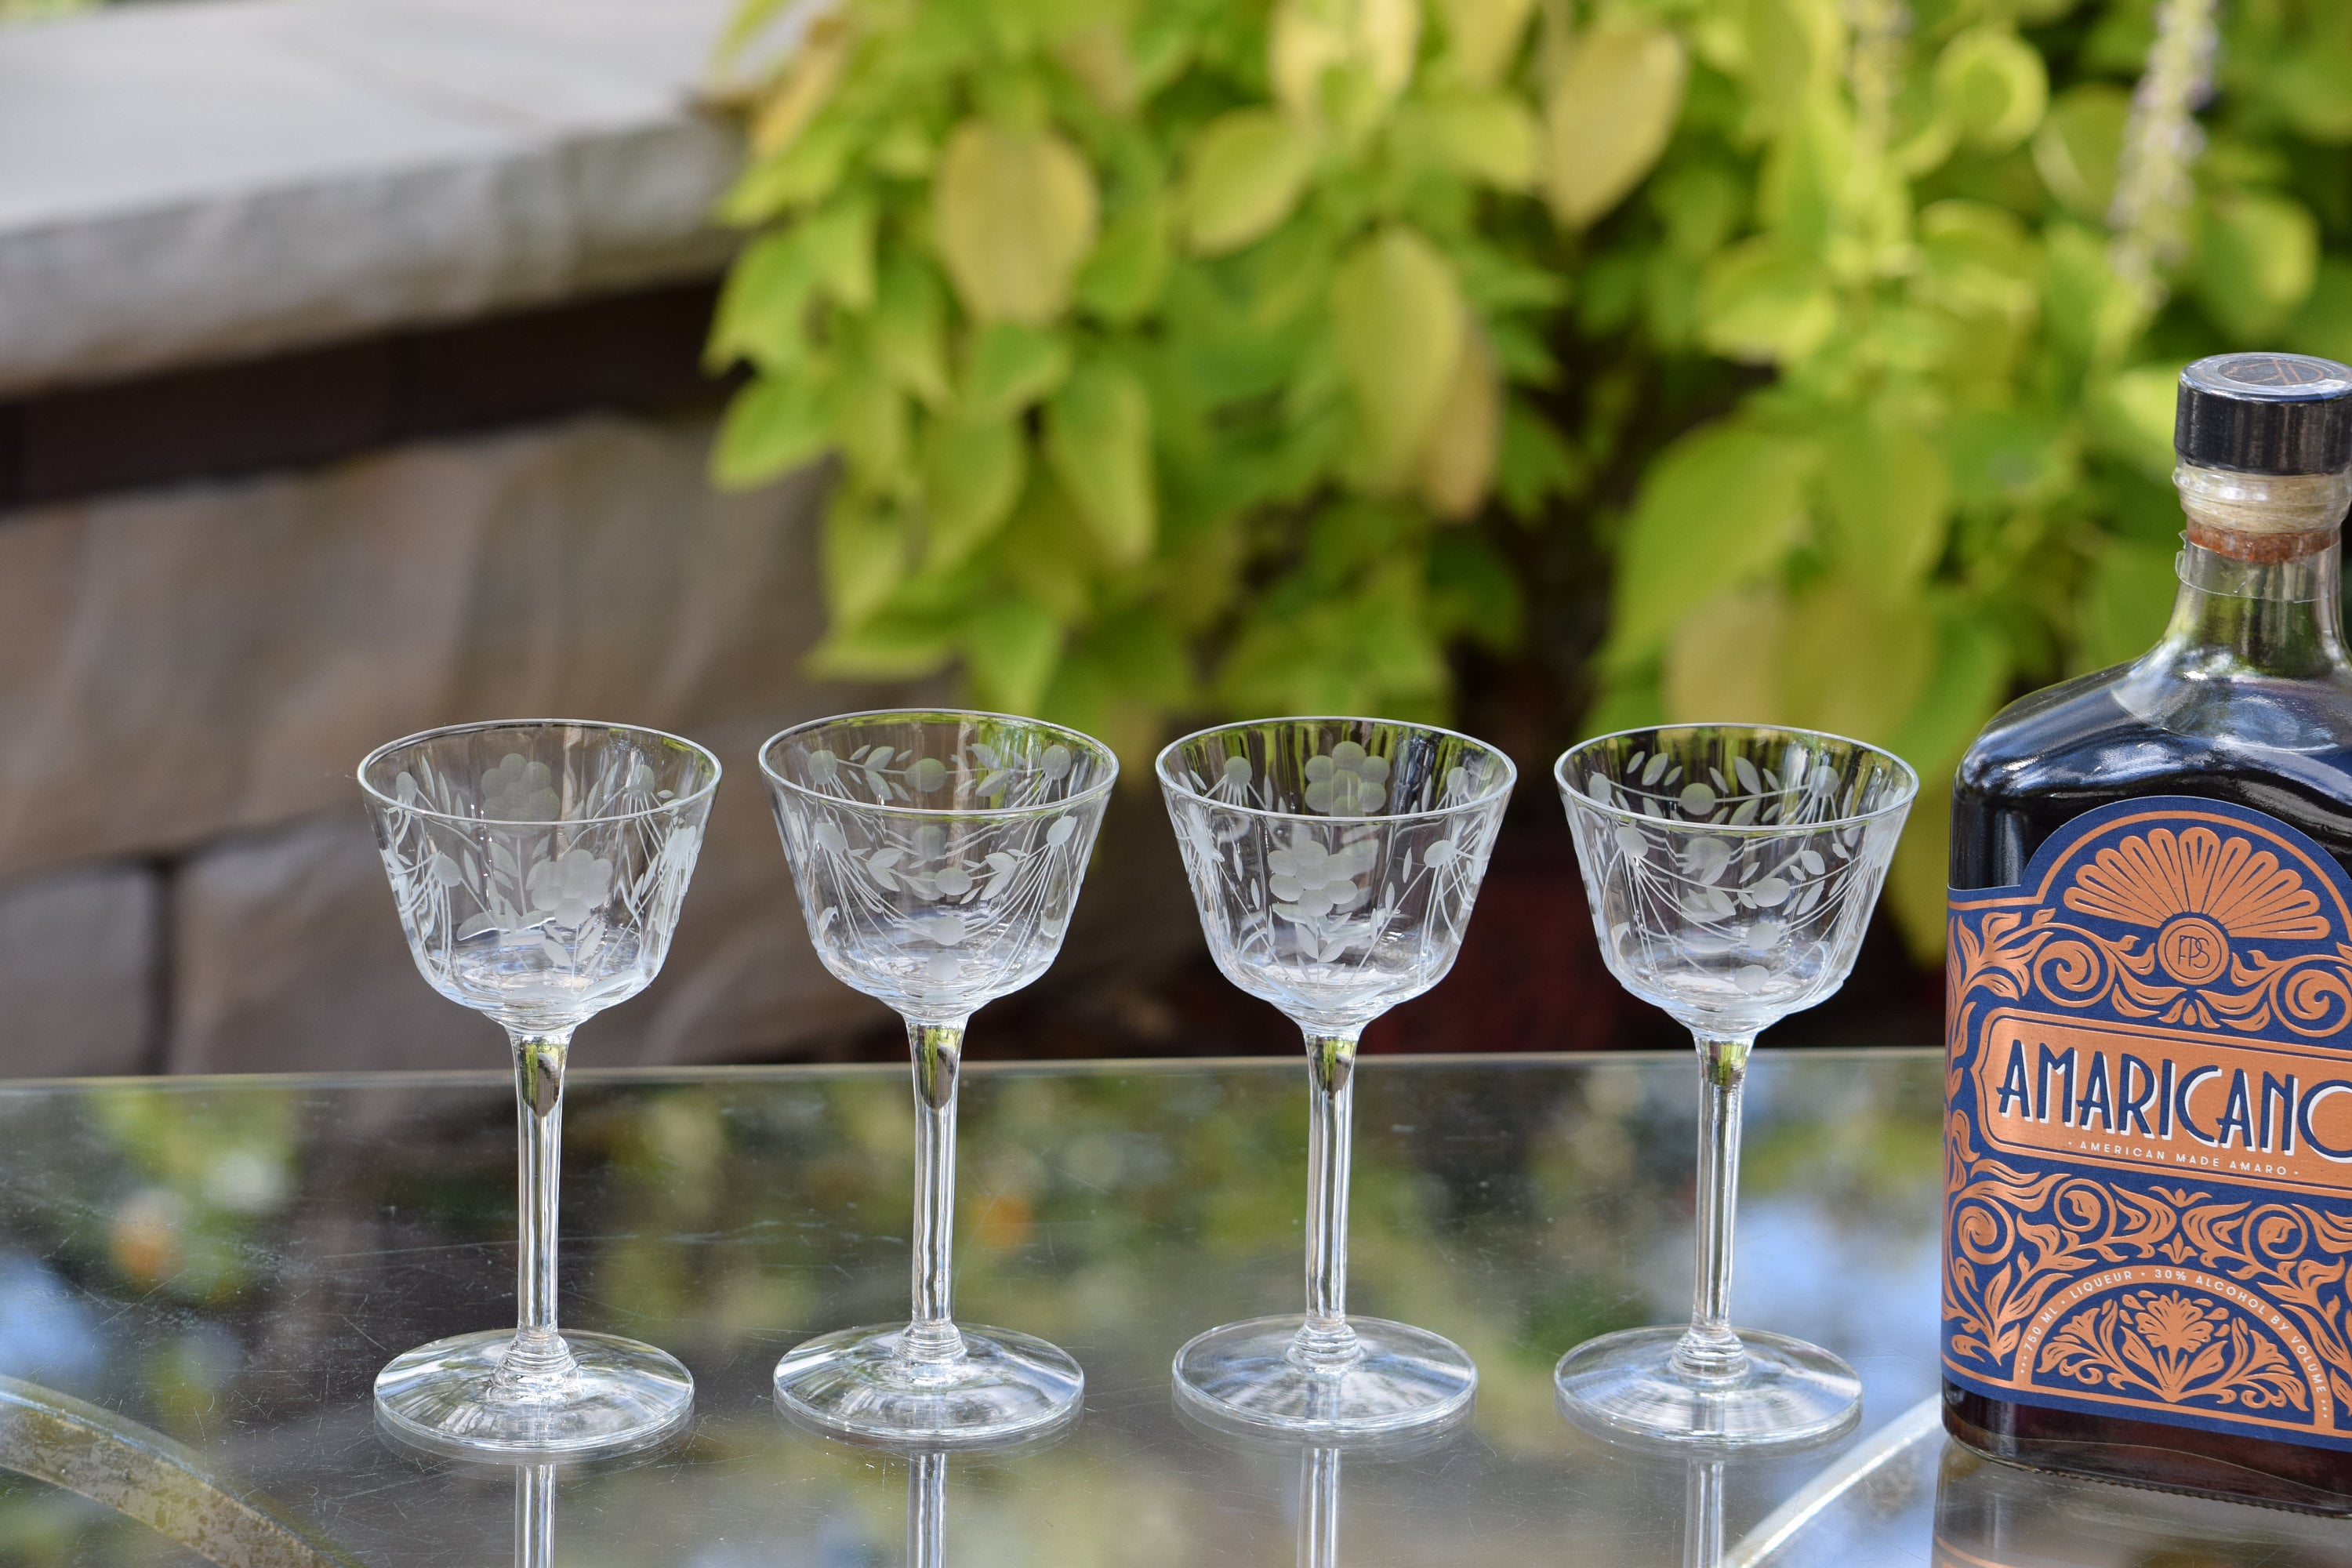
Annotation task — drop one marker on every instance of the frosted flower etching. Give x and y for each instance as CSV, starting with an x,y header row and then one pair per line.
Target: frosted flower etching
x,y
1730,871
937,856
1334,862
538,868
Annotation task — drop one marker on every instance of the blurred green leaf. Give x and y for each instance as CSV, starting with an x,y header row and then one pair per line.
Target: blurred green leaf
x,y
1965,688
1099,438
1456,468
2133,414
2313,84
1978,261
1716,510
883,649
1758,303
972,472
1011,647
771,427
1993,86
1246,172
1397,318
762,313
1121,281
2124,604
2258,258
1534,465
840,246
1491,137
1011,367
1825,687
2324,325
1608,111
1887,497
910,338
1482,36
1013,211
1792,50
864,554
2078,145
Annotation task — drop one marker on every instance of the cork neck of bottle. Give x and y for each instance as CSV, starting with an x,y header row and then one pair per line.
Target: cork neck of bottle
x,y
2261,517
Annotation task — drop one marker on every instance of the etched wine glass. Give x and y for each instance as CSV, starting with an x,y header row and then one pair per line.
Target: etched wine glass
x,y
1335,862
938,855
537,866
1731,869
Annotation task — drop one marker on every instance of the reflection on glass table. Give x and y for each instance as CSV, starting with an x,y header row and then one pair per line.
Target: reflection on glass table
x,y
227,1262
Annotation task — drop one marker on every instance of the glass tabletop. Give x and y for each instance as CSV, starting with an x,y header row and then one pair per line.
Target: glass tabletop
x,y
201,1277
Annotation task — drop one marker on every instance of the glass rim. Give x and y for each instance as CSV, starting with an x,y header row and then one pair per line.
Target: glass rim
x,y
703,792
1501,789
1082,797
1752,829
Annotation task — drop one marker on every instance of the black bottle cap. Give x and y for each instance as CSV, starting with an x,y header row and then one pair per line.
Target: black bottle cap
x,y
2265,414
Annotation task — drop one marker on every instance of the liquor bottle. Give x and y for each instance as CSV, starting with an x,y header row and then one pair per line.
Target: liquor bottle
x,y
2148,1126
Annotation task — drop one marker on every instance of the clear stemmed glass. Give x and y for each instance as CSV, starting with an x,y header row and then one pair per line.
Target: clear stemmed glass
x,y
937,856
538,867
1731,869
1334,861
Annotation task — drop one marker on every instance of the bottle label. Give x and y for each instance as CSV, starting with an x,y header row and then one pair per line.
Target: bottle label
x,y
2148,1126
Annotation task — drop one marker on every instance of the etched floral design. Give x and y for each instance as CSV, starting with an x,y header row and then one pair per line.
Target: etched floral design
x,y
1335,870
565,888
936,876
513,902
1723,883
1004,774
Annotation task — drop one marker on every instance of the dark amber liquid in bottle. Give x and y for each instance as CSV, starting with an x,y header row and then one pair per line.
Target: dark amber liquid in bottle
x,y
2042,763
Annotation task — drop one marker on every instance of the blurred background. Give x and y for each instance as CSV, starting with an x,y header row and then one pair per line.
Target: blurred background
x,y
1539,366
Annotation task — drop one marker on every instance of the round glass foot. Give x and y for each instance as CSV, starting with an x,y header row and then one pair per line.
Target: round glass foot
x,y
1242,1376
1788,1393
443,1396
859,1383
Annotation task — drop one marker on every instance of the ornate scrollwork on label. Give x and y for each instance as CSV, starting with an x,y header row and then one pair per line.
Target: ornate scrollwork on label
x,y
2148,1132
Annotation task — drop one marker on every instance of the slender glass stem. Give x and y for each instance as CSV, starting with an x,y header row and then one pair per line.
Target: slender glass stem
x,y
534,1516
1710,1349
1325,1342
1318,1508
1703,1515
938,1052
927,1510
538,1364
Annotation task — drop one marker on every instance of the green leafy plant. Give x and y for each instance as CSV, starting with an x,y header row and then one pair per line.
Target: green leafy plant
x,y
1974,241
1225,355
1172,350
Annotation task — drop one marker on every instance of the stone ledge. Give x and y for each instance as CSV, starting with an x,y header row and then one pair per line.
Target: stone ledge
x,y
190,182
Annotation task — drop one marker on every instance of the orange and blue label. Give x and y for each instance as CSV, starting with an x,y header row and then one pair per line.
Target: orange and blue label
x,y
2148,1126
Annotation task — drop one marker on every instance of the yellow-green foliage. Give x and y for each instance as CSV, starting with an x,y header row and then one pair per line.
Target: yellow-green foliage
x,y
1161,343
